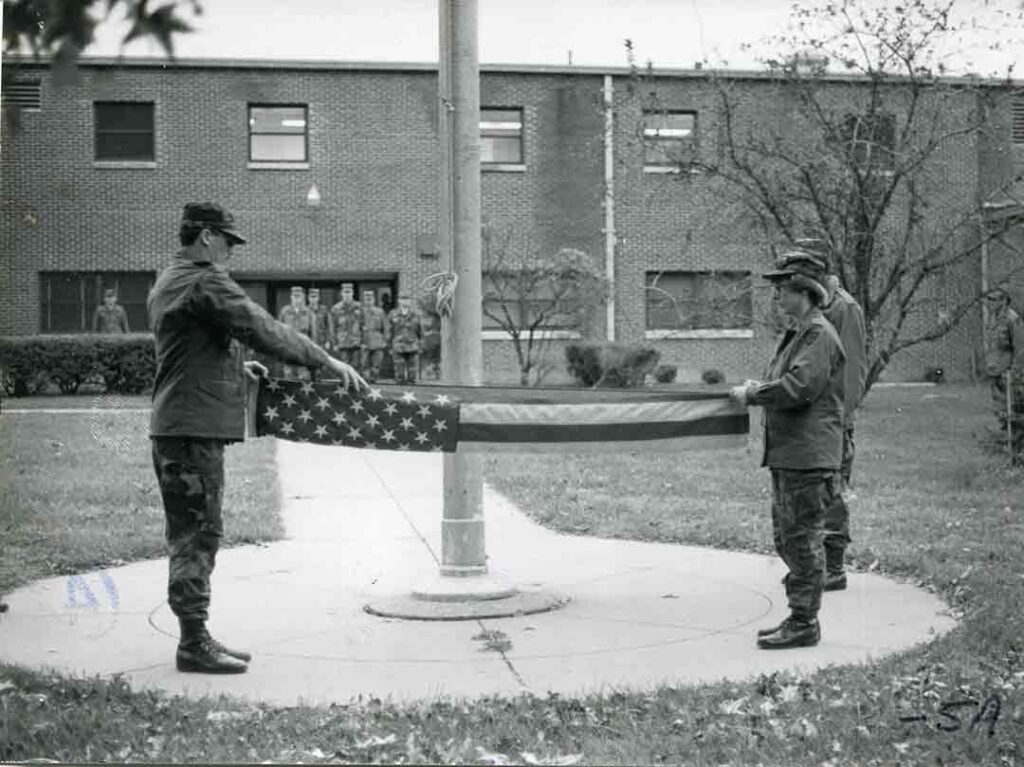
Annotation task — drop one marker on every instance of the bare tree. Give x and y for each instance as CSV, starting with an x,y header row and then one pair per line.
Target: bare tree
x,y
863,160
533,296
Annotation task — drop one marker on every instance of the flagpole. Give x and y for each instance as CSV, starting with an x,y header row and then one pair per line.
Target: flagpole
x,y
464,587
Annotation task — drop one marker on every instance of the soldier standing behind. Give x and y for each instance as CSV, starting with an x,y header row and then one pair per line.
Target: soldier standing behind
x,y
110,317
299,318
347,326
375,328
847,317
321,320
406,333
1004,356
803,442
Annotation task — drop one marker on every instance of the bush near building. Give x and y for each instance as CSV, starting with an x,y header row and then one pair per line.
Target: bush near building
x,y
121,364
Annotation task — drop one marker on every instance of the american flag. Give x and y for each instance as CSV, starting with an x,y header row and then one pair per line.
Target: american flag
x,y
450,418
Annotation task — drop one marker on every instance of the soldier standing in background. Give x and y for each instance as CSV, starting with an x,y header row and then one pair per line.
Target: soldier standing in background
x,y
847,317
321,320
1004,359
110,316
299,318
375,328
347,327
405,332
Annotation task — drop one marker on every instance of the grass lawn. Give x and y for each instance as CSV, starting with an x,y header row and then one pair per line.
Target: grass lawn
x,y
77,491
932,508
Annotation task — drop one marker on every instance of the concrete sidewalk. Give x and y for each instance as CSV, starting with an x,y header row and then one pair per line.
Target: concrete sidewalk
x,y
363,524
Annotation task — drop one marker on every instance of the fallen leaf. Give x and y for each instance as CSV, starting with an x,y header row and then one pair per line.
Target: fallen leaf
x,y
224,716
733,706
376,740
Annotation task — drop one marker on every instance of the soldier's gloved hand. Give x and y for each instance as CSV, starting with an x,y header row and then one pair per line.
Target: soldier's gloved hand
x,y
255,370
348,375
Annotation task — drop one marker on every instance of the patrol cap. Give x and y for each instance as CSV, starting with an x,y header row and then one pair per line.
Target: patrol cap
x,y
404,294
109,293
212,216
298,290
795,262
314,291
816,246
346,286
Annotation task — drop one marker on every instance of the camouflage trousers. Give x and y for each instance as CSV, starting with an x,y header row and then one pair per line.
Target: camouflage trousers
x,y
997,387
350,354
799,501
407,365
837,515
372,360
296,372
190,472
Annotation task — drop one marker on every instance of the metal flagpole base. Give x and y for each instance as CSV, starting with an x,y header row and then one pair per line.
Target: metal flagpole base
x,y
455,598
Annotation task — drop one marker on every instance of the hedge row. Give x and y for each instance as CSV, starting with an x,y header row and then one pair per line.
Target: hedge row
x,y
610,365
123,364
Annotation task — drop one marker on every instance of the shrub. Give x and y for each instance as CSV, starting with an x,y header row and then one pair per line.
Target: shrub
x,y
610,365
126,364
665,373
712,376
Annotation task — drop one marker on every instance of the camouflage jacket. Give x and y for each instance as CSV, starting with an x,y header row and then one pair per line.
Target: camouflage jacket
x,y
300,320
321,325
112,319
802,396
201,319
847,318
405,331
347,319
1004,348
375,328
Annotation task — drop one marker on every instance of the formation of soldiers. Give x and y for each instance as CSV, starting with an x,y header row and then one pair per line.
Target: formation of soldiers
x,y
358,332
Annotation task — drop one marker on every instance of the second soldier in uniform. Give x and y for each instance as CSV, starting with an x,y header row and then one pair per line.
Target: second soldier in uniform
x,y
347,327
375,329
406,333
298,317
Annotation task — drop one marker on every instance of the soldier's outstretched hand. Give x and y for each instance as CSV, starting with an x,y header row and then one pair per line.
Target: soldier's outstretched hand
x,y
348,374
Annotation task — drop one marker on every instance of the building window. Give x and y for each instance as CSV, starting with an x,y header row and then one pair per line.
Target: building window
x,y
698,300
521,298
871,141
124,130
278,133
501,136
669,137
68,300
23,93
1017,117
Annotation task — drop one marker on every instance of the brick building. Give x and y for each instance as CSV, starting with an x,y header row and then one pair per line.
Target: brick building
x,y
331,171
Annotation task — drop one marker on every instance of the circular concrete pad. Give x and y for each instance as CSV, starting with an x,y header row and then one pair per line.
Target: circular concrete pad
x,y
411,607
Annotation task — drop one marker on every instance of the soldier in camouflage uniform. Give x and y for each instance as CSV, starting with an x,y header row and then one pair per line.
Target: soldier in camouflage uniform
x,y
347,327
802,397
320,321
375,329
1004,362
299,318
202,322
406,333
110,317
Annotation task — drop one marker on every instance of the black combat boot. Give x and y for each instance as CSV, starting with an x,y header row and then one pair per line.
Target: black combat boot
x,y
793,632
772,630
835,575
199,653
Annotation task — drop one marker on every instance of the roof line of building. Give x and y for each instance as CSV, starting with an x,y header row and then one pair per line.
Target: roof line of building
x,y
395,66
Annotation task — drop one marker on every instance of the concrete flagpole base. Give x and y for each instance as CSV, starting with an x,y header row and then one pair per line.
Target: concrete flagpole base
x,y
453,598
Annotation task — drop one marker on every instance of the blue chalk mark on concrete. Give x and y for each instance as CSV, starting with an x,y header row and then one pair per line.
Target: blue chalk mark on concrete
x,y
80,594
